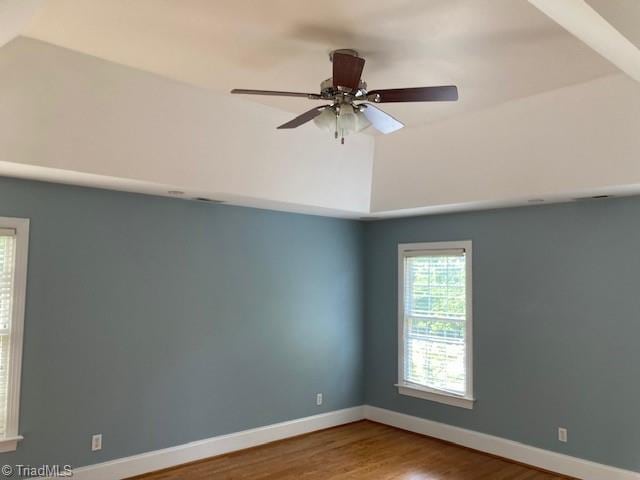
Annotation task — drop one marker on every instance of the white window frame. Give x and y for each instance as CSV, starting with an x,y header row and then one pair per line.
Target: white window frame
x,y
9,442
419,391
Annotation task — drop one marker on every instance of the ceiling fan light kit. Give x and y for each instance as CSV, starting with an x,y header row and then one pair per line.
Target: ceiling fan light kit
x,y
351,110
342,120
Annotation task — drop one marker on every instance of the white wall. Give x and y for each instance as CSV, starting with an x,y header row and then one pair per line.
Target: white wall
x,y
71,112
573,140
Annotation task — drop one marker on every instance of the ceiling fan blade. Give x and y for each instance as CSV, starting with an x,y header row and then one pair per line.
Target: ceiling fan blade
x,y
347,70
310,96
447,93
380,120
304,118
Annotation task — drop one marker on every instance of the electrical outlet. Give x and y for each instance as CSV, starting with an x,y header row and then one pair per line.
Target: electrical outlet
x,y
562,434
319,399
96,442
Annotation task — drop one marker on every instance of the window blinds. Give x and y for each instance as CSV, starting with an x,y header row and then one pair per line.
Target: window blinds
x,y
7,267
435,320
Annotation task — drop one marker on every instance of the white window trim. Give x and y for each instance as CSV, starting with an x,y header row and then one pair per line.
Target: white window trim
x,y
9,442
420,391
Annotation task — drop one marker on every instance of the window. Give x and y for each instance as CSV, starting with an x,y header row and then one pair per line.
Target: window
x,y
14,235
434,324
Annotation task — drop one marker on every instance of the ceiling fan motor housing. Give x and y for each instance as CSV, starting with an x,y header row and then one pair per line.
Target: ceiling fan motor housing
x,y
327,90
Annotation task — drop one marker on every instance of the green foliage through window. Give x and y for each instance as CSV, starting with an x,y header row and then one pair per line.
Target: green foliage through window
x,y
435,321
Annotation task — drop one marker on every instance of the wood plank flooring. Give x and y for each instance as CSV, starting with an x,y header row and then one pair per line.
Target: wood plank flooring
x,y
362,450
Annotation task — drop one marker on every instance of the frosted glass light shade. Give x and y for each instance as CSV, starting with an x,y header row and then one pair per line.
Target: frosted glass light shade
x,y
348,121
326,120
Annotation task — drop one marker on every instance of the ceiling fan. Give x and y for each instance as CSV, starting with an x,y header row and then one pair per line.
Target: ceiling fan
x,y
346,89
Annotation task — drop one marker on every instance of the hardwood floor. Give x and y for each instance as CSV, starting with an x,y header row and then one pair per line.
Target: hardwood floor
x,y
362,450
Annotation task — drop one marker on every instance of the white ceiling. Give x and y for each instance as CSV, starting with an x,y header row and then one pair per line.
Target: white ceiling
x,y
624,15
494,50
15,16
69,112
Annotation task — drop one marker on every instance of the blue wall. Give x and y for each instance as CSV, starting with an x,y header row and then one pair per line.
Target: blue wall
x,y
556,324
157,321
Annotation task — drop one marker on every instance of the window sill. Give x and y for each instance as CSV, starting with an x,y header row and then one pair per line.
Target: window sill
x,y
434,396
9,444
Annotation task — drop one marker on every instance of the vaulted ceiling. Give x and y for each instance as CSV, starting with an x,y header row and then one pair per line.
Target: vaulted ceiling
x,y
522,78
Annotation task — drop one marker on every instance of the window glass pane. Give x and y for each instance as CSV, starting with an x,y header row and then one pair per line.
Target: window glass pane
x,y
435,322
7,265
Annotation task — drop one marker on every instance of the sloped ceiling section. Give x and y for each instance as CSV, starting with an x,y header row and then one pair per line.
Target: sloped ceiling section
x,y
68,111
571,142
15,17
623,15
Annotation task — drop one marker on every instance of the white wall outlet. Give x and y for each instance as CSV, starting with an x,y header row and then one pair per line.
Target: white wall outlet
x,y
96,442
562,434
319,399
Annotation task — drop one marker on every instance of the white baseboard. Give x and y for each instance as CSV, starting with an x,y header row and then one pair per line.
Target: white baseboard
x,y
210,447
537,457
189,452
